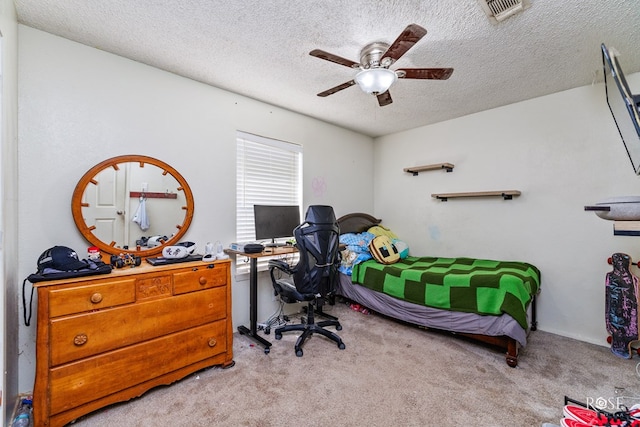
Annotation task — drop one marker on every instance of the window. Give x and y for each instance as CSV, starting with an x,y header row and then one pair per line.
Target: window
x,y
268,172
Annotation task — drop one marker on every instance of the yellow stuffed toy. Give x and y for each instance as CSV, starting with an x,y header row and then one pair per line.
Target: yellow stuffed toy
x,y
383,250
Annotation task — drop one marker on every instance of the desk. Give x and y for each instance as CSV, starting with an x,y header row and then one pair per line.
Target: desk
x,y
252,330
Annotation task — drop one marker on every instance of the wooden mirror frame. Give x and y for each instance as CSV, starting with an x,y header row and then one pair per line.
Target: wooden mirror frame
x,y
89,178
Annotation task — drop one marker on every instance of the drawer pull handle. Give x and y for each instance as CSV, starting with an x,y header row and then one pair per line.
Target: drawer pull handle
x,y
203,280
212,342
80,339
96,298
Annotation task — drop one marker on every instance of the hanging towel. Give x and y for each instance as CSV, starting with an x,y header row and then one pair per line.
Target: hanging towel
x,y
140,217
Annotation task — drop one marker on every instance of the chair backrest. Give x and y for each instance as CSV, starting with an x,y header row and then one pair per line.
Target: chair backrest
x,y
317,239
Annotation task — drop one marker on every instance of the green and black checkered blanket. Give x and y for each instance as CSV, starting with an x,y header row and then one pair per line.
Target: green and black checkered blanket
x,y
456,284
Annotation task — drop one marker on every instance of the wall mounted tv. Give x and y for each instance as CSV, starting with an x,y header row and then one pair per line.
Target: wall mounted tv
x,y
624,106
275,222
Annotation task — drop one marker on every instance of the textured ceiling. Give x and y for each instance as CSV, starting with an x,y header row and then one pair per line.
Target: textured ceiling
x,y
260,49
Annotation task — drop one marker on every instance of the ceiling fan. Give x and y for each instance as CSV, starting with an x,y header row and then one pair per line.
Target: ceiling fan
x,y
374,76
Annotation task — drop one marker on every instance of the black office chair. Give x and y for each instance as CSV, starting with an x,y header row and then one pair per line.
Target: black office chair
x,y
314,276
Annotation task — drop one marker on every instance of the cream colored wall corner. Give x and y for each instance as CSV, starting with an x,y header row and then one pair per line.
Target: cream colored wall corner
x,y
79,106
563,152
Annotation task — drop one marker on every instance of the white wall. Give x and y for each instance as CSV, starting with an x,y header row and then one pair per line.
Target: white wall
x,y
79,106
9,213
563,152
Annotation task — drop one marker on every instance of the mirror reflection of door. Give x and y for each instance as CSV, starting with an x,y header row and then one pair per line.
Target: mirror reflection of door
x,y
108,196
105,206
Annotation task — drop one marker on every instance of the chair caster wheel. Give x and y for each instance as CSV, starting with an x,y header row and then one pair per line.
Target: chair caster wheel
x,y
338,327
341,346
267,350
299,353
267,331
278,336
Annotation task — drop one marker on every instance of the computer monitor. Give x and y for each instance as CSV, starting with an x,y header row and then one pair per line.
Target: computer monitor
x,y
275,222
624,106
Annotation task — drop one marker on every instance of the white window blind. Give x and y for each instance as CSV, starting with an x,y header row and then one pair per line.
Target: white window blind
x,y
268,172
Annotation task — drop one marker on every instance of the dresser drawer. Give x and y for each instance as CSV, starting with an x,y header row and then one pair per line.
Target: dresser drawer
x,y
85,335
204,277
95,296
87,380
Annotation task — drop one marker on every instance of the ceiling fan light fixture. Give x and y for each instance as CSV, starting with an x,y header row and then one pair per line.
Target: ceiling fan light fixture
x,y
375,80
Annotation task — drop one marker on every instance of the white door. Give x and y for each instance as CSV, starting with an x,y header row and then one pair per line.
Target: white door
x,y
104,206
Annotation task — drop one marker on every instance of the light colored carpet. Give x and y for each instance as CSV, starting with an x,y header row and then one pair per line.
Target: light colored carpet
x,y
390,374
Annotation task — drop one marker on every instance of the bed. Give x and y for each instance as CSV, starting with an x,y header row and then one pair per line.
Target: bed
x,y
504,325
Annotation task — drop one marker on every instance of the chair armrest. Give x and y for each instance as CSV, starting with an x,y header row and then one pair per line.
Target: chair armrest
x,y
280,265
277,264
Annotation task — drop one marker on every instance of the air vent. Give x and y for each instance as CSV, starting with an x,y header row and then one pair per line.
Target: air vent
x,y
499,10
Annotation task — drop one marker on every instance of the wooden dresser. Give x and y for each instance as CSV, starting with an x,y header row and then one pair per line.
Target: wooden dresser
x,y
109,338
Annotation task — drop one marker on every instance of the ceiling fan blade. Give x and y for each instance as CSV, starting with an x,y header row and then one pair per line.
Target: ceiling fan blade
x,y
424,73
405,41
384,99
333,58
337,88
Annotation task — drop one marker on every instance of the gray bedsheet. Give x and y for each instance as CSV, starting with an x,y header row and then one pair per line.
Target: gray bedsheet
x,y
452,321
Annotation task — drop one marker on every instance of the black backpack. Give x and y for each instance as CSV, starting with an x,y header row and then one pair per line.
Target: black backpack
x,y
93,268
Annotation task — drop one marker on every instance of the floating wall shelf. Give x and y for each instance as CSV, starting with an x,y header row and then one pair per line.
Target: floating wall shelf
x,y
417,169
505,194
626,228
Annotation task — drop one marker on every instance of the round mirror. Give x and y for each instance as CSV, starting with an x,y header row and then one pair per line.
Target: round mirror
x,y
134,204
